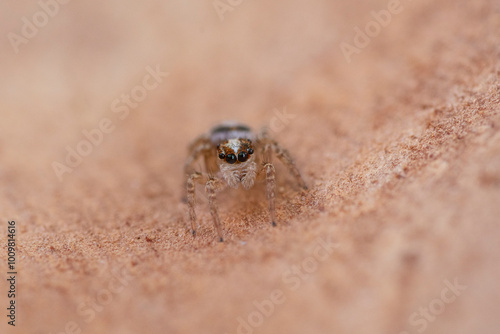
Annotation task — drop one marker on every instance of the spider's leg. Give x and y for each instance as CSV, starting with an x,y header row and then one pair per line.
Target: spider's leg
x,y
196,149
287,160
210,188
270,172
191,200
270,190
268,143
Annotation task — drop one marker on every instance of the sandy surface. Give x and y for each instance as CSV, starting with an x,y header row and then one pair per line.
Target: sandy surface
x,y
398,232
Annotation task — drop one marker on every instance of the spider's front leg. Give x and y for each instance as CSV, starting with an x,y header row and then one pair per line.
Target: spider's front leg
x,y
270,146
211,188
270,172
283,155
191,199
270,190
196,150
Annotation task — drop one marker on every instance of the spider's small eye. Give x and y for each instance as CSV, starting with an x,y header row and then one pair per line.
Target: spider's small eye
x,y
222,155
250,151
242,156
230,158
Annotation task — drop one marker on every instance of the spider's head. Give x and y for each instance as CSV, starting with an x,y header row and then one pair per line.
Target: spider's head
x,y
235,151
237,165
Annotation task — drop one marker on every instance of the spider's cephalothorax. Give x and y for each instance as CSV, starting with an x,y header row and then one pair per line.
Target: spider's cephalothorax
x,y
233,155
237,163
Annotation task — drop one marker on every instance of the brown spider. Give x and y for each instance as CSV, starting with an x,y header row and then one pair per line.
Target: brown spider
x,y
233,155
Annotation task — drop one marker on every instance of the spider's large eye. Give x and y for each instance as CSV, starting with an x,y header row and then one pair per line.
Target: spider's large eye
x,y
242,156
222,155
230,158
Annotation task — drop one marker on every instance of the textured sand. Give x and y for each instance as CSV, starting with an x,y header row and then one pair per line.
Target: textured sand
x,y
400,149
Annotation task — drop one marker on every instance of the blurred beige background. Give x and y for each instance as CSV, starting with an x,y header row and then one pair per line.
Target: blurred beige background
x,y
398,142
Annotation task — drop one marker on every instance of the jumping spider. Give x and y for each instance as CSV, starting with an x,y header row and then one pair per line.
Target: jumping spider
x,y
233,155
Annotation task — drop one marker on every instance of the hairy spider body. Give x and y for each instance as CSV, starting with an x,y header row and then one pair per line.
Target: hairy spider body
x,y
232,155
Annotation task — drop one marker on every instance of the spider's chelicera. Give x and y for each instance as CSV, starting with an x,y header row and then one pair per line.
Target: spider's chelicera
x,y
232,155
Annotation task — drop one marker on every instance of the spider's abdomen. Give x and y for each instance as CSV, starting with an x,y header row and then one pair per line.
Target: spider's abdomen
x,y
230,130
